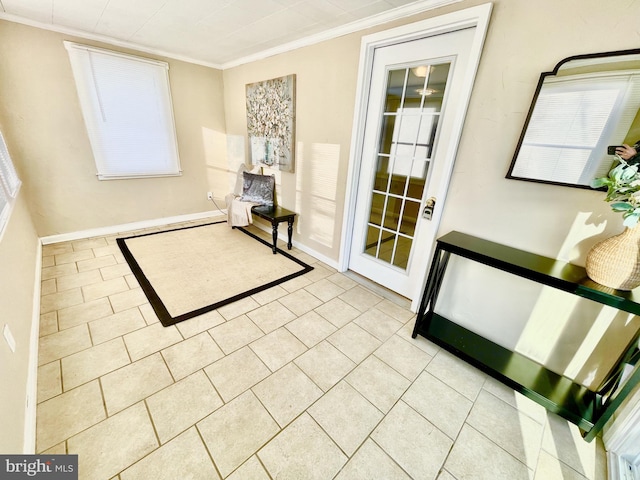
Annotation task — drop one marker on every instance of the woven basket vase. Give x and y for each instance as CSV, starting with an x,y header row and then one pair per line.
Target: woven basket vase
x,y
615,262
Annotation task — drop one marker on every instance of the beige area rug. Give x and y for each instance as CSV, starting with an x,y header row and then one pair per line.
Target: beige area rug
x,y
190,271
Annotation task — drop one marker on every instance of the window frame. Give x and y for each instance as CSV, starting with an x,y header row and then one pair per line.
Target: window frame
x,y
97,102
9,185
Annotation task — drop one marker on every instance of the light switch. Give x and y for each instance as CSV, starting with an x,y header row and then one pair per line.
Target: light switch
x,y
8,336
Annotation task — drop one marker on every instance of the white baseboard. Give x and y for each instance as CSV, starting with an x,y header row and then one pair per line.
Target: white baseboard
x,y
322,258
309,251
114,229
29,446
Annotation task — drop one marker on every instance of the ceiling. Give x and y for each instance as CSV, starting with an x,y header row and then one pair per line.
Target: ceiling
x,y
219,33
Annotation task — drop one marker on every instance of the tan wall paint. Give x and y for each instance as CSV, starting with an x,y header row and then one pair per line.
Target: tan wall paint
x,y
44,129
524,40
18,261
52,151
325,87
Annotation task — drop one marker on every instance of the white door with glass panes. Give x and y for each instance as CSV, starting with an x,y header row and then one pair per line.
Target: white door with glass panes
x,y
408,149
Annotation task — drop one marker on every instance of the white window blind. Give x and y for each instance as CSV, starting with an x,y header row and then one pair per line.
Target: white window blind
x,y
10,179
4,210
572,124
126,104
9,184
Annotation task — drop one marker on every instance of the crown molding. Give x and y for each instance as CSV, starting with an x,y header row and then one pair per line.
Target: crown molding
x,y
414,8
105,39
372,21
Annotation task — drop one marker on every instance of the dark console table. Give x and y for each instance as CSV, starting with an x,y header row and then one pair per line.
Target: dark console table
x,y
275,215
589,410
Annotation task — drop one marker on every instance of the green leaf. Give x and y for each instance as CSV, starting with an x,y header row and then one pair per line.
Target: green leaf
x,y
629,172
622,207
599,182
616,172
631,221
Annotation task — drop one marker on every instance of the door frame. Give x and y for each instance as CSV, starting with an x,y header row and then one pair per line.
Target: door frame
x,y
622,442
477,17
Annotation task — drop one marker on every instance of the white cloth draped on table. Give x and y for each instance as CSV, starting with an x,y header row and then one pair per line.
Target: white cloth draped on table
x,y
238,212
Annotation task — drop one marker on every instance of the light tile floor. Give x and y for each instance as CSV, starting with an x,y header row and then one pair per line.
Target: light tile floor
x,y
317,378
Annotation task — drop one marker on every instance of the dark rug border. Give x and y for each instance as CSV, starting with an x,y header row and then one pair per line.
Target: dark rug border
x,y
158,306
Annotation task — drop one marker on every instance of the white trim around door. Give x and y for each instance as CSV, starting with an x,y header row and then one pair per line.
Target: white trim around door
x,y
622,442
477,17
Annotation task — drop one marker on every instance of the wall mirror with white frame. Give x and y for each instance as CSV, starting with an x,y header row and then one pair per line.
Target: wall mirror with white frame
x,y
586,104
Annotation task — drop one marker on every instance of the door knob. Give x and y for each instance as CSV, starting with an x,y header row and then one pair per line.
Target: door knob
x,y
430,204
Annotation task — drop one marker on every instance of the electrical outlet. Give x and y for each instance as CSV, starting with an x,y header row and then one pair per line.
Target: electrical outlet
x,y
209,195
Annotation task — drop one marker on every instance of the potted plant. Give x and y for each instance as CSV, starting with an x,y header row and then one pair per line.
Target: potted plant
x,y
623,191
615,262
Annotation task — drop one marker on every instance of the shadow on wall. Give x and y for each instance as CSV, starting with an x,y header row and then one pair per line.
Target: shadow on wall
x,y
316,180
316,191
223,154
572,336
575,337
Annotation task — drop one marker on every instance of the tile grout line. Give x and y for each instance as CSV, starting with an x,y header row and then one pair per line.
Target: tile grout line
x,y
307,348
206,447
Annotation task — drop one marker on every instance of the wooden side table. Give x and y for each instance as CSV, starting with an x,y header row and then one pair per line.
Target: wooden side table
x,y
275,215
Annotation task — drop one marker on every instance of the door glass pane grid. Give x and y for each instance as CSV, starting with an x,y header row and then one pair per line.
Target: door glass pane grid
x,y
380,242
407,133
384,224
396,84
377,208
414,99
416,132
389,246
413,138
391,214
409,218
